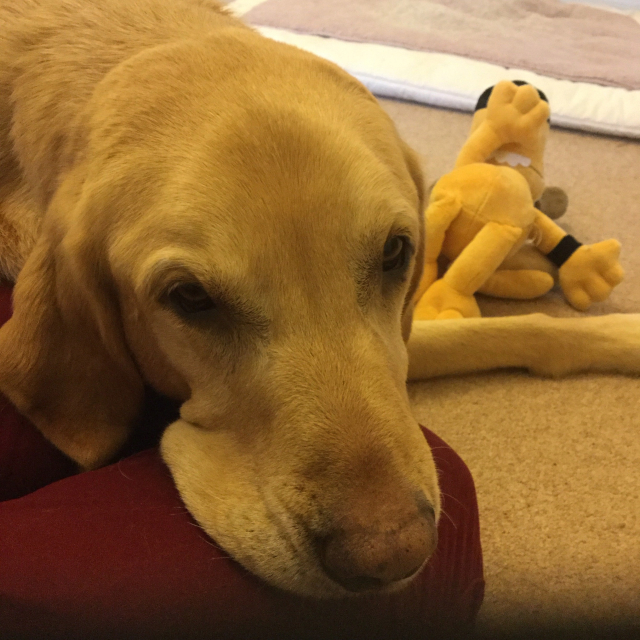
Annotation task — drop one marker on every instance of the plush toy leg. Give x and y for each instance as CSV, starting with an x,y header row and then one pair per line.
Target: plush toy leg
x,y
442,210
443,302
452,296
529,258
524,284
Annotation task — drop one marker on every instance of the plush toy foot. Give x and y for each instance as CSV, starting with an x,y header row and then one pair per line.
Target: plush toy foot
x,y
443,302
523,284
449,314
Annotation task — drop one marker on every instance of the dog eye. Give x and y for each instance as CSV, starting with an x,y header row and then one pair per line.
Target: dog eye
x,y
396,253
190,297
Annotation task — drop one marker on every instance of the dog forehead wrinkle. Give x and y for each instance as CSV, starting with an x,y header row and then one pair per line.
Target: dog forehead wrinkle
x,y
305,274
321,185
273,149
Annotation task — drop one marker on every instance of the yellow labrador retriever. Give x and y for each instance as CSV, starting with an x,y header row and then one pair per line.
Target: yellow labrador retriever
x,y
237,223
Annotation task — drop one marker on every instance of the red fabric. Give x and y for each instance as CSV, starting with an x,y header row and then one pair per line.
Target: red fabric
x,y
114,553
27,461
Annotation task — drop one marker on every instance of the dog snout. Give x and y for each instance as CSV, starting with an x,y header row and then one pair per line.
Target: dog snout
x,y
392,546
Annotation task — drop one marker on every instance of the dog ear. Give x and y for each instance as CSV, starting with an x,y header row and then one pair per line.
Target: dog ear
x,y
63,359
413,165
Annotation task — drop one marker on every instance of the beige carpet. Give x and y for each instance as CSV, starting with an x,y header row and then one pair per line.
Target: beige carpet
x,y
556,463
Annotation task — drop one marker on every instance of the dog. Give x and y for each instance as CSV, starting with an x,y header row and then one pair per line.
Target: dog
x,y
238,224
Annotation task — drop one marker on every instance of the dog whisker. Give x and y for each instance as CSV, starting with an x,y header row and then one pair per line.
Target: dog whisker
x,y
444,513
464,506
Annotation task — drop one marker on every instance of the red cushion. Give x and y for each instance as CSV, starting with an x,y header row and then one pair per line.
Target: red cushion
x,y
27,460
114,553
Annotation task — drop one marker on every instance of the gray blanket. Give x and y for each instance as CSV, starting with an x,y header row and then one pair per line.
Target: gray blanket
x,y
566,41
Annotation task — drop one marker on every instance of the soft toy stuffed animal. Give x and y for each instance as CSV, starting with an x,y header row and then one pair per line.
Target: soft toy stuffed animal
x,y
482,218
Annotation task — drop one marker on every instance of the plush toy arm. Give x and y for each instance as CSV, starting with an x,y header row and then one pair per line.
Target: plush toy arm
x,y
440,213
479,146
549,233
589,273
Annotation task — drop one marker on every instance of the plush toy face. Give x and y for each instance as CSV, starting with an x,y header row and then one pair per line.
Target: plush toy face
x,y
526,158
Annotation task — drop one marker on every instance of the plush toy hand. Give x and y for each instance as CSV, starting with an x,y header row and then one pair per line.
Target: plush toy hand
x,y
591,273
516,113
442,301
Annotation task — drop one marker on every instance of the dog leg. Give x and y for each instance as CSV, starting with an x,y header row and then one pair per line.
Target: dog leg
x,y
537,342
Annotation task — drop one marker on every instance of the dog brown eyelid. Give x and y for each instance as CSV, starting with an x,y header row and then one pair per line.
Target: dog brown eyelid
x,y
232,306
170,268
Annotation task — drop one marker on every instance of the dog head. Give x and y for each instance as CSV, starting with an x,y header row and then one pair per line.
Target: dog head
x,y
249,247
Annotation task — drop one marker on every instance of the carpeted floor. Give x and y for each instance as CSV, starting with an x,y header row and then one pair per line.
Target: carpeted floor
x,y
556,462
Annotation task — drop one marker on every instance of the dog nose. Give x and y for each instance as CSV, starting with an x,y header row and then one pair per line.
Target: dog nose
x,y
387,549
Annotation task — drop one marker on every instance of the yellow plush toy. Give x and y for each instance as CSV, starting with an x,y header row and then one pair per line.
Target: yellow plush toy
x,y
482,218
